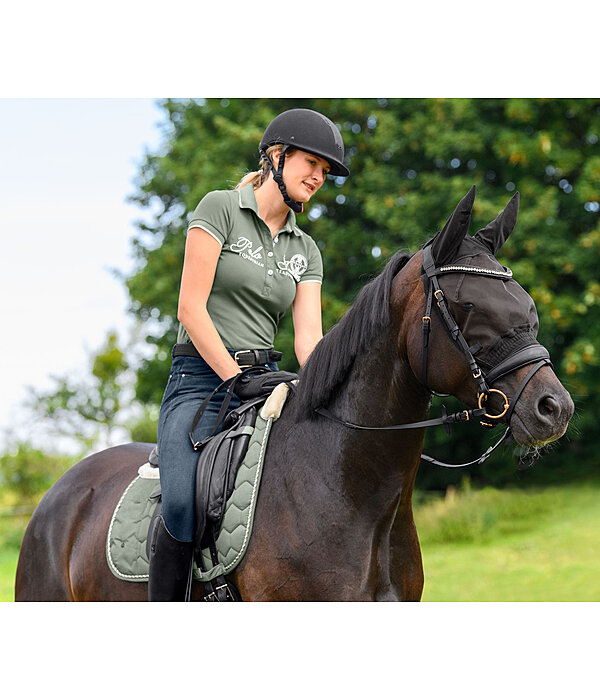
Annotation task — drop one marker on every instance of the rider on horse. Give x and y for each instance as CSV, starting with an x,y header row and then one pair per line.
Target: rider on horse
x,y
246,261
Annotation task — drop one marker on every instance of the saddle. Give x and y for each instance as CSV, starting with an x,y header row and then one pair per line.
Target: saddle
x,y
219,461
218,465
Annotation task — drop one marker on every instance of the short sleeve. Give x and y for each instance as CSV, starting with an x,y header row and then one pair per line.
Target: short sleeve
x,y
213,214
314,269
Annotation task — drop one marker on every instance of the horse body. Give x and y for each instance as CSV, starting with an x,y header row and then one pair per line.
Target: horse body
x,y
334,517
62,555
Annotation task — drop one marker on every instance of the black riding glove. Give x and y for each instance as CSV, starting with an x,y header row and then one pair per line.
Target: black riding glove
x,y
250,386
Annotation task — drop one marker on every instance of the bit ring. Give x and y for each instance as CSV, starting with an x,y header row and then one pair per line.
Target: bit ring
x,y
483,397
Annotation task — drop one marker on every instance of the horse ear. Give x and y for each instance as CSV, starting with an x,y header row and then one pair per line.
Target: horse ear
x,y
445,245
494,235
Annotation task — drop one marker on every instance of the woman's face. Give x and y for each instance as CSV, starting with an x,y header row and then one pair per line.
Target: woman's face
x,y
303,174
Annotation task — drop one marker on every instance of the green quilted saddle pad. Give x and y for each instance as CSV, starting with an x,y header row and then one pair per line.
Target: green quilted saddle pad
x,y
128,530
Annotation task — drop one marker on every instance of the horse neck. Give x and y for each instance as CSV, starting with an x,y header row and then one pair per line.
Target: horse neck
x,y
381,390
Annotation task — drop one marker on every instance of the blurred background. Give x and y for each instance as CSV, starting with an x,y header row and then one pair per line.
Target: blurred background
x,y
94,203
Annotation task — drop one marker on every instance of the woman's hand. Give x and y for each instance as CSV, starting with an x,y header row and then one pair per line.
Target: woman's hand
x,y
250,386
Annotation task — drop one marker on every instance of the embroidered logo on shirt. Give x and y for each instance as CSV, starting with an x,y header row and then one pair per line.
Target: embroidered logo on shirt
x,y
295,267
243,247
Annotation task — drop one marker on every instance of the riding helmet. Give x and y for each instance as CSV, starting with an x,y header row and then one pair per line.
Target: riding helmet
x,y
309,131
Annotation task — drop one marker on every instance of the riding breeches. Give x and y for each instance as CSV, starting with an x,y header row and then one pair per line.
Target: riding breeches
x,y
191,380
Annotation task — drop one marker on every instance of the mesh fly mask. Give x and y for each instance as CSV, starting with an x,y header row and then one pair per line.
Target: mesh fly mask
x,y
491,351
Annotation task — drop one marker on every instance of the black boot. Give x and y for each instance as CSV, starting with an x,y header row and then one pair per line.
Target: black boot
x,y
170,565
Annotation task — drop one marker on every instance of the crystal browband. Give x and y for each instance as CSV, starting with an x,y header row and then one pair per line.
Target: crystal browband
x,y
507,272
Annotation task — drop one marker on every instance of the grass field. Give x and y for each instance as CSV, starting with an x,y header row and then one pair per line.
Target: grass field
x,y
11,534
477,545
512,546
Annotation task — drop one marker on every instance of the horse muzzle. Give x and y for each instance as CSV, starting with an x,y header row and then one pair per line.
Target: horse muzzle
x,y
539,409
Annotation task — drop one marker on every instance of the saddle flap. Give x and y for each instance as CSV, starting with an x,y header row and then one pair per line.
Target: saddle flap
x,y
218,464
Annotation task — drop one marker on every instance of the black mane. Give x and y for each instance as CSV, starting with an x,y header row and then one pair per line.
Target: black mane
x,y
332,358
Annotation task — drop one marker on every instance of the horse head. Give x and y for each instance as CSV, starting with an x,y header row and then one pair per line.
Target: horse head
x,y
479,339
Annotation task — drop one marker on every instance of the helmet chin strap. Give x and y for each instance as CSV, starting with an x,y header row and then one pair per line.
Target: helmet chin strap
x,y
298,207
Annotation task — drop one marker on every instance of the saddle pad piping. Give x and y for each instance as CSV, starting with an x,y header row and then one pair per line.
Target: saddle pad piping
x,y
136,577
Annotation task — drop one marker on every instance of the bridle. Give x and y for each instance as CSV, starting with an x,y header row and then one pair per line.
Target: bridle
x,y
526,355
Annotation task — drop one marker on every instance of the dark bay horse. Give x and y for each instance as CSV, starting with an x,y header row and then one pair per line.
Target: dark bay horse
x,y
334,518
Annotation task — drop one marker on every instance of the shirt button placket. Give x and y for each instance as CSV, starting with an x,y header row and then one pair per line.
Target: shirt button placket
x,y
269,266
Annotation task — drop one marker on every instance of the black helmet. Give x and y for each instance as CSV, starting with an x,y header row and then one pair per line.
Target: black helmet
x,y
309,131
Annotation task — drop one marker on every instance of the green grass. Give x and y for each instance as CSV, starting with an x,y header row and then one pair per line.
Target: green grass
x,y
8,568
477,545
12,529
511,545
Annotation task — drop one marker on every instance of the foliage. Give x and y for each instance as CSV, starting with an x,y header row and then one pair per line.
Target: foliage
x,y
411,161
143,427
78,409
26,473
468,515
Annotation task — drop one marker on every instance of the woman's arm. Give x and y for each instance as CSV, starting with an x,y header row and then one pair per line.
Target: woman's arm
x,y
199,265
306,313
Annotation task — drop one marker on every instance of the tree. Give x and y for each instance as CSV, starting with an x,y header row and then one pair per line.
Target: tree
x,y
86,410
411,161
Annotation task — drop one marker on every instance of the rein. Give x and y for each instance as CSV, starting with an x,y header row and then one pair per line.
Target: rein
x,y
535,353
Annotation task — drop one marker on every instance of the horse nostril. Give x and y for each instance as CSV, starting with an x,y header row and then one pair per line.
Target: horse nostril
x,y
548,406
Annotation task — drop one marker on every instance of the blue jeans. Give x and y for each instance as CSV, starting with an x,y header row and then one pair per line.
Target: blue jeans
x,y
191,380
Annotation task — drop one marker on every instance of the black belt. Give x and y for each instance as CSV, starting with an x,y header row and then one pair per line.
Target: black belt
x,y
244,358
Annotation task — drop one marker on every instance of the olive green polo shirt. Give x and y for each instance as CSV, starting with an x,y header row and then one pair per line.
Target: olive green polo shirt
x,y
256,276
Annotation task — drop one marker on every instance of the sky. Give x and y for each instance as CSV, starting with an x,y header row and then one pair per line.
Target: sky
x,y
67,168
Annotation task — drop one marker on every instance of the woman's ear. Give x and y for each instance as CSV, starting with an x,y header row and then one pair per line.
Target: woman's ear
x,y
275,157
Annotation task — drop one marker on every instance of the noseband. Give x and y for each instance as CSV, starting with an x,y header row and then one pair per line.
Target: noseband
x,y
529,354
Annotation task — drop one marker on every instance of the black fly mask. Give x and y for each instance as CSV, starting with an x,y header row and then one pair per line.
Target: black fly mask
x,y
488,315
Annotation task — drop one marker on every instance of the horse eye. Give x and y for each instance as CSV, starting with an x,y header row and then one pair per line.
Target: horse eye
x,y
468,306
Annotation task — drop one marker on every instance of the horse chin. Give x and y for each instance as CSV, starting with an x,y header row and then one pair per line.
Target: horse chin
x,y
529,433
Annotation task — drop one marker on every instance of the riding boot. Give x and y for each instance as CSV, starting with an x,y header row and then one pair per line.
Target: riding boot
x,y
170,566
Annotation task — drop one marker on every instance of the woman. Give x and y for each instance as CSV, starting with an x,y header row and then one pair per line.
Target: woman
x,y
246,261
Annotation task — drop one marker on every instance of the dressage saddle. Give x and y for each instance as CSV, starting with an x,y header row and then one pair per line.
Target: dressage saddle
x,y
218,464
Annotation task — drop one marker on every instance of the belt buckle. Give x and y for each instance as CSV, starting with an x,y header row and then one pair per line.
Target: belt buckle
x,y
235,357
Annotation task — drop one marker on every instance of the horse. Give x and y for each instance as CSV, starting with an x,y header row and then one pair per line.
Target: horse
x,y
334,518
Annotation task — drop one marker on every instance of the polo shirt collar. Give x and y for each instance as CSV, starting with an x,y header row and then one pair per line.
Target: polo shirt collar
x,y
248,201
